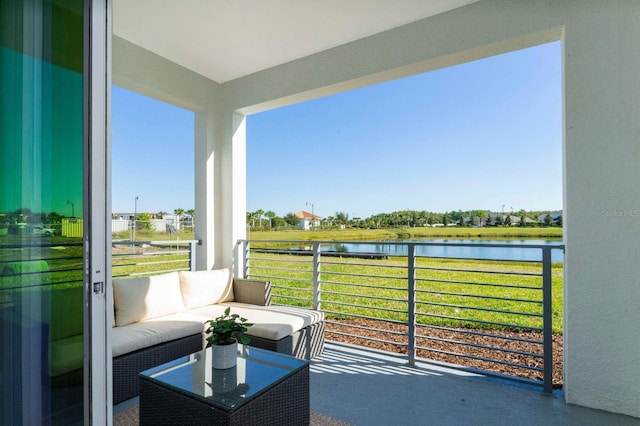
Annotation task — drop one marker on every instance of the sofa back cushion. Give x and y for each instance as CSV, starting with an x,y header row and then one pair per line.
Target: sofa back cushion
x,y
201,288
139,299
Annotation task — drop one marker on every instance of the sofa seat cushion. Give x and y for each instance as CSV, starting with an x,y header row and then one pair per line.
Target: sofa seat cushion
x,y
274,322
66,355
204,313
152,332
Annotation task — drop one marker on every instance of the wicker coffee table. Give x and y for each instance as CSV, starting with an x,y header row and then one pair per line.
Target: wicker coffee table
x,y
265,388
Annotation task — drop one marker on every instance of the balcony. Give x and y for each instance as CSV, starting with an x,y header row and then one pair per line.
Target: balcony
x,y
349,380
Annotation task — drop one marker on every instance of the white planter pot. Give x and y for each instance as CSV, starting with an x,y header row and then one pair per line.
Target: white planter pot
x,y
225,381
224,356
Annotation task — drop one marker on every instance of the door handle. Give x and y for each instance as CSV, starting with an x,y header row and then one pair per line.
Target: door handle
x,y
98,287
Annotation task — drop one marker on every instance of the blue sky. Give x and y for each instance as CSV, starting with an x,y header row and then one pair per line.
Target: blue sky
x,y
475,136
152,154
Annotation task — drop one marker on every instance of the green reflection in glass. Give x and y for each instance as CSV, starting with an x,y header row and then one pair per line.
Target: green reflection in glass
x,y
41,188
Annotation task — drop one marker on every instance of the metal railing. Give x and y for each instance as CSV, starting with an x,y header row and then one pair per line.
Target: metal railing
x,y
491,313
142,258
25,266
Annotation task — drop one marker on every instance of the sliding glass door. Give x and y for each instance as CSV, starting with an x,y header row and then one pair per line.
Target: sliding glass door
x,y
46,269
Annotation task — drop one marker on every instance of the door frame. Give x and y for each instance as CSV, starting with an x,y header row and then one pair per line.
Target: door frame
x,y
97,208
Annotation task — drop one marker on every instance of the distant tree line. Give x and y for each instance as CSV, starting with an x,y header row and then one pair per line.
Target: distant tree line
x,y
268,220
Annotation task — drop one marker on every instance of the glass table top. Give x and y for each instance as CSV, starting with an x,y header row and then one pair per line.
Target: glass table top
x,y
256,370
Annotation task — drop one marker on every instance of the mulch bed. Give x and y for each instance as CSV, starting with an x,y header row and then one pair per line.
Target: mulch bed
x,y
439,343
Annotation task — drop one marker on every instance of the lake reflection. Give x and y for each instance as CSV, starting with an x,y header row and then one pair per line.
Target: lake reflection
x,y
467,252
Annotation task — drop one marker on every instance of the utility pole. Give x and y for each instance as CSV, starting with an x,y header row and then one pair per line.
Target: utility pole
x,y
73,212
135,218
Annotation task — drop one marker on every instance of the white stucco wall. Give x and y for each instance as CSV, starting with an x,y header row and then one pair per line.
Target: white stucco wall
x,y
601,154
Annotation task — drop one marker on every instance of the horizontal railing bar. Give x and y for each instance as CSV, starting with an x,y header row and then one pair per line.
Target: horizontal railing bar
x,y
479,271
128,257
508,299
77,268
370,265
480,358
43,258
273,268
477,333
488,373
432,280
158,243
290,298
477,345
347,274
20,274
337,293
137,274
473,308
21,287
273,277
266,259
523,327
372,339
478,259
162,262
360,327
332,302
293,288
363,285
345,314
41,245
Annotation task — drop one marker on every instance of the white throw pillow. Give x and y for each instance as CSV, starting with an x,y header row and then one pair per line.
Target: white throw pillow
x,y
139,299
201,288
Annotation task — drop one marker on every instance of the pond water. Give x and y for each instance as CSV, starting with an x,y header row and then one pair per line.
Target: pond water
x,y
467,252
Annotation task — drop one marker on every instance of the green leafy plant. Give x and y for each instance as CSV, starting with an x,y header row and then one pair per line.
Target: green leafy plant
x,y
226,329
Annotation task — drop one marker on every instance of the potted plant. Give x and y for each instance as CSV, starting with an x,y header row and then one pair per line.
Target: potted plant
x,y
223,335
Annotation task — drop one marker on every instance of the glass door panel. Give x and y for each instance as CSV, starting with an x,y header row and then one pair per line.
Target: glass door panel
x,y
42,295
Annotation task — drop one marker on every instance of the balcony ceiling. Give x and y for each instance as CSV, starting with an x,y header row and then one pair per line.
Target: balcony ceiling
x,y
227,39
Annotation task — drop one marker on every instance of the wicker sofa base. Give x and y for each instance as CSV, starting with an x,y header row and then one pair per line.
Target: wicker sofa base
x,y
306,343
127,367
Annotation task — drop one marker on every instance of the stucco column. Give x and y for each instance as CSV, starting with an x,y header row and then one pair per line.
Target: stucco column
x,y
220,186
204,188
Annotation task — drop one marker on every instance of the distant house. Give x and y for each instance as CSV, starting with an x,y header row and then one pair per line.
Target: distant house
x,y
307,220
554,215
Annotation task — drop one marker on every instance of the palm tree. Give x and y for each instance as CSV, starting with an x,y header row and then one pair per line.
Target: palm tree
x,y
342,218
259,213
192,214
270,214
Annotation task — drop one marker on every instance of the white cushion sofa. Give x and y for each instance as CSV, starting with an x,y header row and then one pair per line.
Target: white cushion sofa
x,y
161,318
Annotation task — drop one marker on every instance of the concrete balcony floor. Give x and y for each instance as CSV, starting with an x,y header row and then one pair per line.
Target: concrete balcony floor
x,y
367,387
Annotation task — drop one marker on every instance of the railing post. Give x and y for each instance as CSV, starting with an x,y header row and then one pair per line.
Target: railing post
x,y
411,302
547,318
236,260
245,258
192,255
316,276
